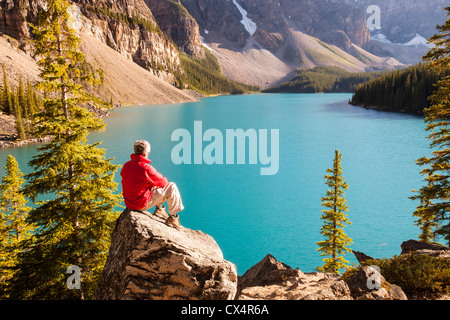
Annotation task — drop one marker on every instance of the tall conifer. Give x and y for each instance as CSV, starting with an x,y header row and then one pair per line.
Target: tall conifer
x,y
334,218
13,229
7,98
73,227
435,196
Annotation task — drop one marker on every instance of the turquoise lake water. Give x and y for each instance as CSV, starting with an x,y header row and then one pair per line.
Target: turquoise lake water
x,y
251,215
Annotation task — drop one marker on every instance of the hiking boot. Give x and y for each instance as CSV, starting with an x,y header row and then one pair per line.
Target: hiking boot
x,y
174,221
160,211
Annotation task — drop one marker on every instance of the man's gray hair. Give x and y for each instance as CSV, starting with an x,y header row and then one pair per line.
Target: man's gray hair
x,y
141,147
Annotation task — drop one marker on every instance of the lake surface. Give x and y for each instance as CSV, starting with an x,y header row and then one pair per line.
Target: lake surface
x,y
251,215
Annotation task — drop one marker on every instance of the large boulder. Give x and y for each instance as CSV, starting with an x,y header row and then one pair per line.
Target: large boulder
x,y
150,260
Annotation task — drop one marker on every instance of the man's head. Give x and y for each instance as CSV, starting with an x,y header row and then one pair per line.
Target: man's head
x,y
142,147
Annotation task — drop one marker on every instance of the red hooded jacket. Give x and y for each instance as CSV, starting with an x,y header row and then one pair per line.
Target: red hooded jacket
x,y
138,178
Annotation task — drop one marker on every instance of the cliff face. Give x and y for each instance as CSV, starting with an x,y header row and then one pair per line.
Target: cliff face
x,y
176,22
333,23
219,16
129,27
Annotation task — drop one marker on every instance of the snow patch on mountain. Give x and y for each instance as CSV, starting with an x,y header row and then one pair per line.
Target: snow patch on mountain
x,y
249,25
205,45
418,41
380,37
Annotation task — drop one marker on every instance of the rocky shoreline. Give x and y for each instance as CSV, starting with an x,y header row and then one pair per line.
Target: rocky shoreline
x,y
149,260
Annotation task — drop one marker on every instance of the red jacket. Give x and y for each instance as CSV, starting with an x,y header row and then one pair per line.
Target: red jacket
x,y
138,178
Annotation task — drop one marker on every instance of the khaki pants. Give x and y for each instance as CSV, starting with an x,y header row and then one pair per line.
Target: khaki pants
x,y
168,193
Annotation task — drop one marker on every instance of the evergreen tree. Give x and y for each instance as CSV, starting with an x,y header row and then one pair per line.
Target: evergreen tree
x,y
435,196
19,121
23,104
426,221
73,227
334,218
13,229
7,98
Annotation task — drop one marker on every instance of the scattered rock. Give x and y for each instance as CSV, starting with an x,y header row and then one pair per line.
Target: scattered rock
x,y
150,260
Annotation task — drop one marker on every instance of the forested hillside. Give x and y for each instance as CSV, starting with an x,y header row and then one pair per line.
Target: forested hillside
x,y
404,90
325,79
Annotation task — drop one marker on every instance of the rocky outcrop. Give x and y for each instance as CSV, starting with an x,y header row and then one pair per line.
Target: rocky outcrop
x,y
431,249
267,272
361,256
414,245
270,279
150,260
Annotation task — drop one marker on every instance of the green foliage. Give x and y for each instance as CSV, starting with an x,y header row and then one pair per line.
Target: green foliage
x,y
336,241
204,75
415,272
23,103
13,229
324,79
434,197
73,222
405,90
7,101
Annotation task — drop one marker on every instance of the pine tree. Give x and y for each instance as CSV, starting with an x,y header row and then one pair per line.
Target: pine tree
x,y
74,226
13,229
7,98
23,104
425,220
334,218
19,120
435,196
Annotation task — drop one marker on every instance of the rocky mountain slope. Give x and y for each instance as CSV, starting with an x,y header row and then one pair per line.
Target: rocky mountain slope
x,y
402,20
404,26
259,42
120,37
263,41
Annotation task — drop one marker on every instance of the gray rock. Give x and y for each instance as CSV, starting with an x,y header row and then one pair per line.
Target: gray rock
x,y
150,260
266,272
270,279
338,291
361,256
414,245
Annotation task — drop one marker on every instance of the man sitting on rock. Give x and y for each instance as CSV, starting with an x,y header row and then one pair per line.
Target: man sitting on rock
x,y
143,187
